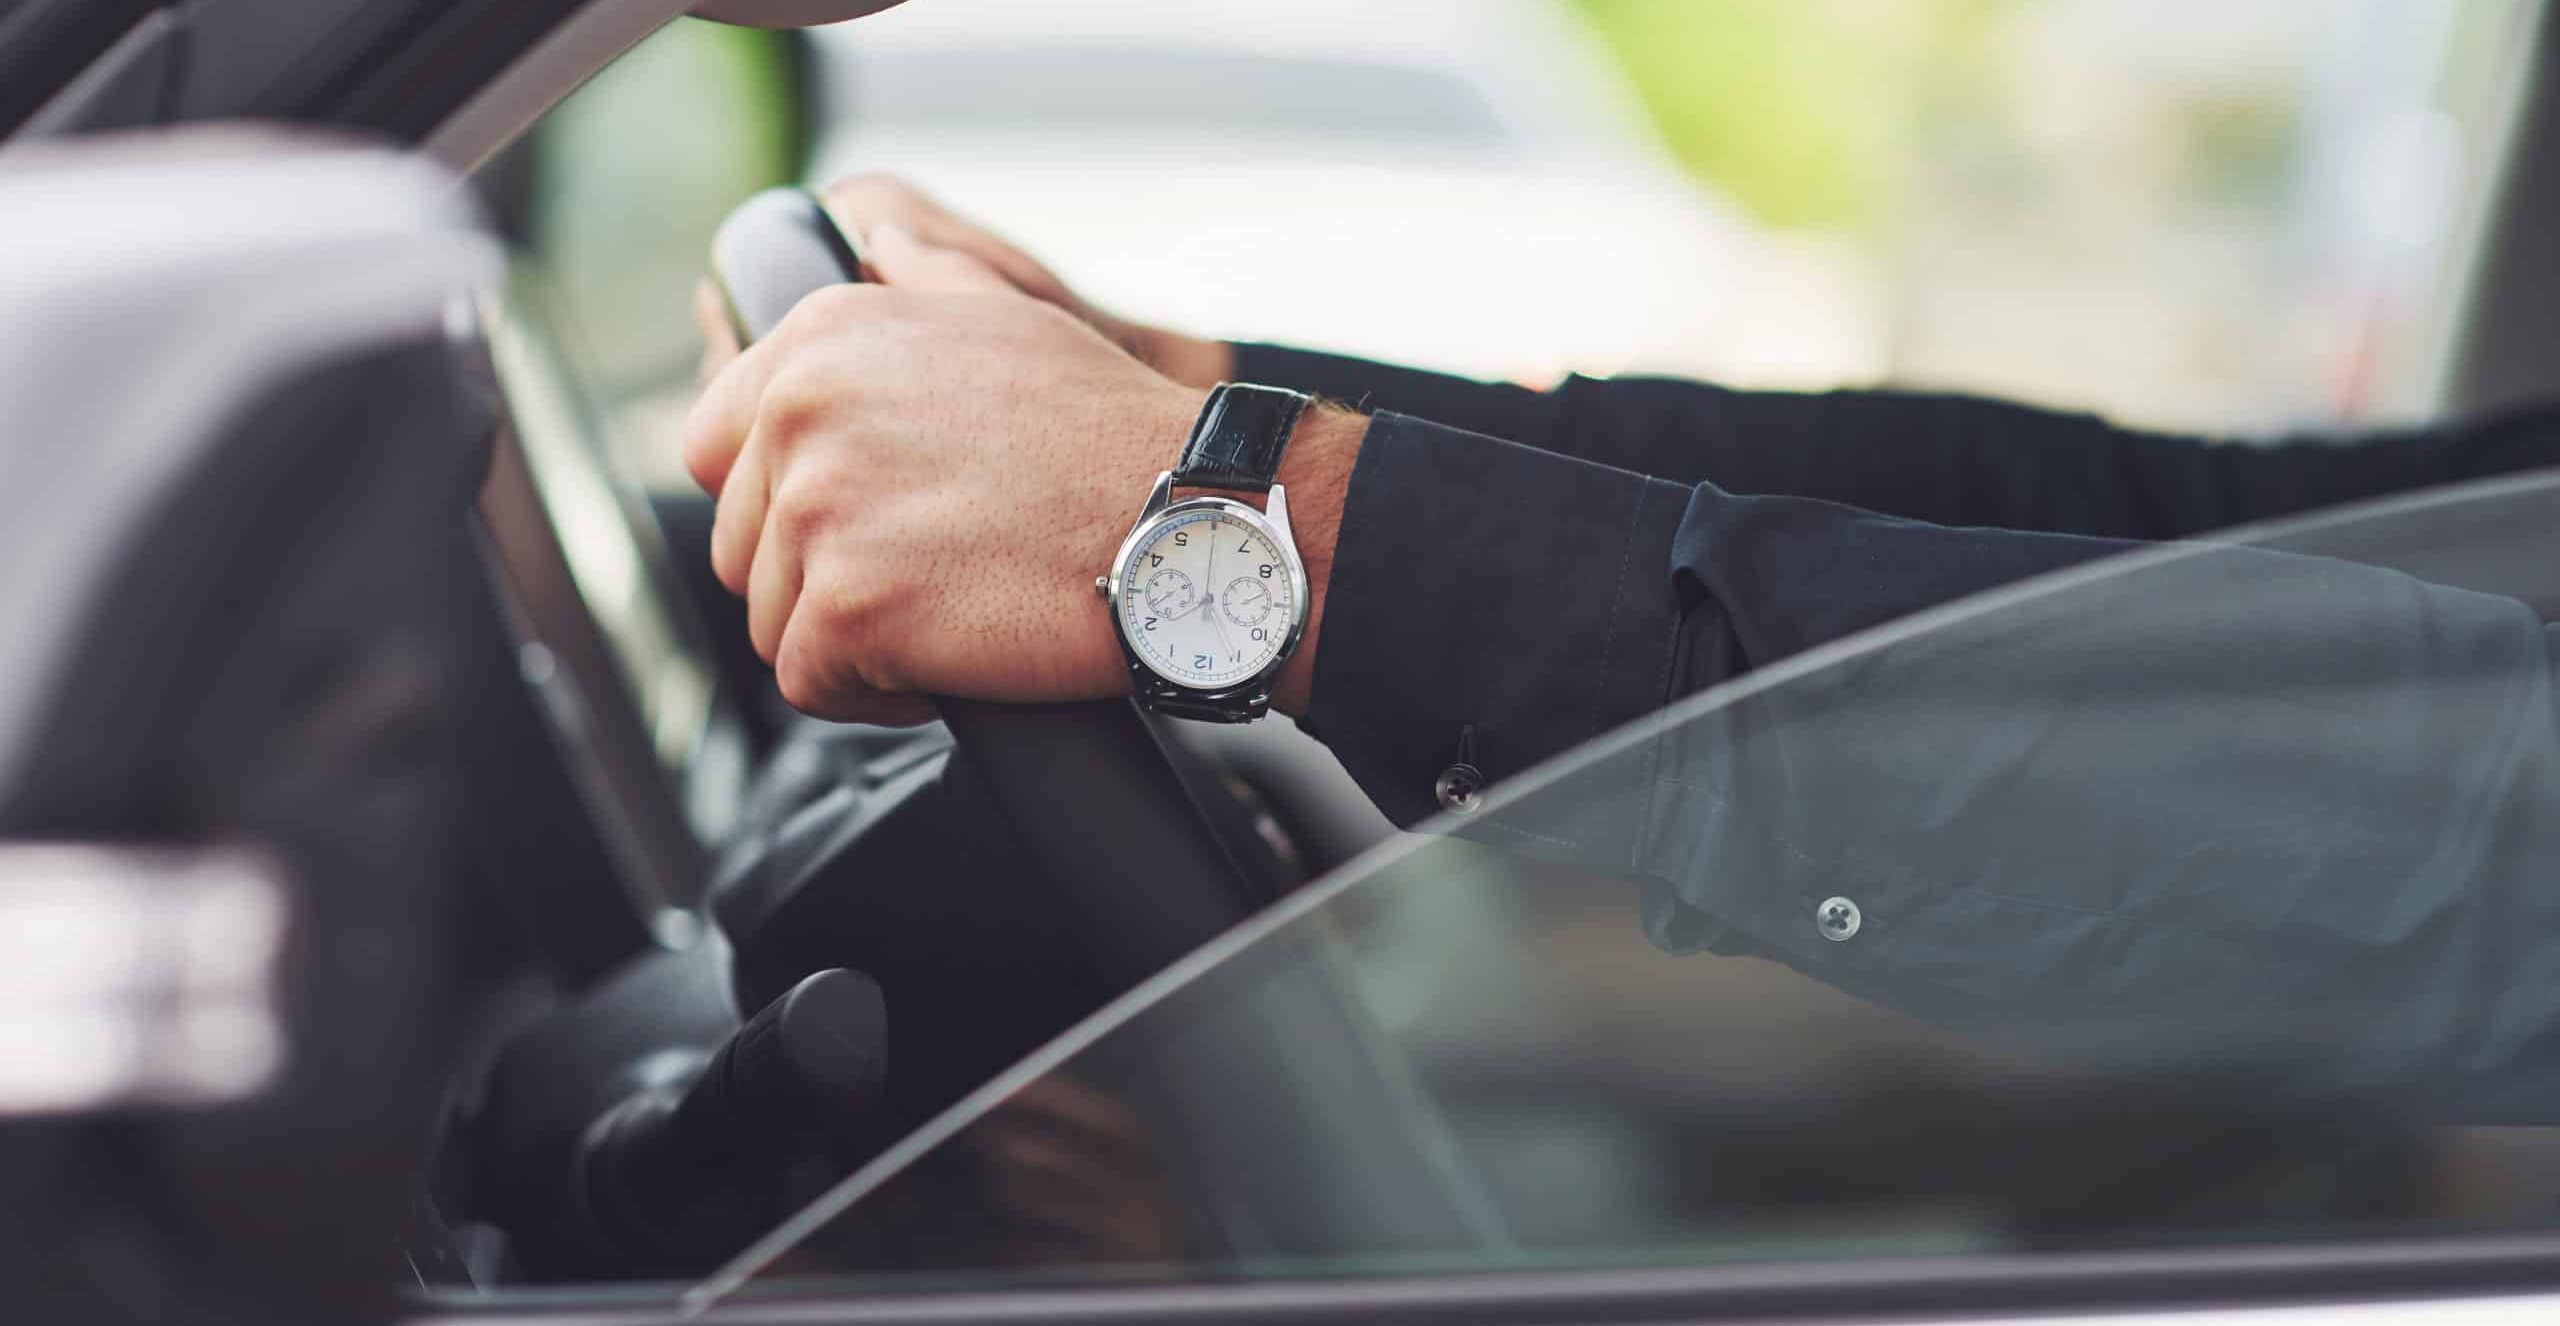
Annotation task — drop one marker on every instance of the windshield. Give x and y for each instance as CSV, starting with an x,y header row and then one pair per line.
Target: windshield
x,y
2196,896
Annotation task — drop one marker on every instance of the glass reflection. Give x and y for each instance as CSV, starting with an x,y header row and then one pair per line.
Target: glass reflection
x,y
2195,896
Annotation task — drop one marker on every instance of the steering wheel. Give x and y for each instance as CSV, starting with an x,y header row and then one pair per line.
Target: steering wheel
x,y
1092,789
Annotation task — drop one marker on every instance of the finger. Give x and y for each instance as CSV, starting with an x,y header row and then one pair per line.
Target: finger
x,y
738,519
773,588
719,338
815,679
863,202
907,262
716,430
867,200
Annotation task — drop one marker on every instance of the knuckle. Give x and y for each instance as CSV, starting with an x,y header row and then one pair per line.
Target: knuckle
x,y
798,678
793,408
823,312
838,304
848,620
817,313
799,516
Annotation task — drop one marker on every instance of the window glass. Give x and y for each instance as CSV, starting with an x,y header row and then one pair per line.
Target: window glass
x,y
2197,213
2183,899
2174,901
613,200
625,182
2207,213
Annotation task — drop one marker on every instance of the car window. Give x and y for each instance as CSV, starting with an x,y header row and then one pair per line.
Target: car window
x,y
611,202
2203,215
1929,946
2194,213
2190,898
615,195
1104,89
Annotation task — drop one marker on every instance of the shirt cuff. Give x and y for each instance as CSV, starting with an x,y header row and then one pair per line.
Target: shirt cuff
x,y
1491,593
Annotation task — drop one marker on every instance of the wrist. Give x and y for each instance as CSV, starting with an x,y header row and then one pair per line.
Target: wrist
x,y
1316,471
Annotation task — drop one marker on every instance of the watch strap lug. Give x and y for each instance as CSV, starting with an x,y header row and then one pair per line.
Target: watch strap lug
x,y
1158,498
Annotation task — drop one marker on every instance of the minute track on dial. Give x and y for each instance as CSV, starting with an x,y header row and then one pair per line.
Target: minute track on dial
x,y
1246,605
1181,629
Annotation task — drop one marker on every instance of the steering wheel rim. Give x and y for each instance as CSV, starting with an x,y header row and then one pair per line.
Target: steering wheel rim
x,y
1092,789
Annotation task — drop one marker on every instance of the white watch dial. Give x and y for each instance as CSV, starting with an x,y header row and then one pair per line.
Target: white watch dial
x,y
1206,599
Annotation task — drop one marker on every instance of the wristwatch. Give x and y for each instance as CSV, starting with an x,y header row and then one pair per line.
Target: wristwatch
x,y
1207,593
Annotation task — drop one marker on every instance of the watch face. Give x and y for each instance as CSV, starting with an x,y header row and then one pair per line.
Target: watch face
x,y
1207,598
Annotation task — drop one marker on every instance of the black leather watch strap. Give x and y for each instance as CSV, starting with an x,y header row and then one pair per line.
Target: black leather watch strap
x,y
1239,437
1170,700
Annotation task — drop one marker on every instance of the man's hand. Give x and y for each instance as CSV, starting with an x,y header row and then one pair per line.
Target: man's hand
x,y
919,480
862,202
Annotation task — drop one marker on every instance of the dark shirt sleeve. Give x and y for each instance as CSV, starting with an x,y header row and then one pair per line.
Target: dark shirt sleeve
x,y
2226,781
1493,595
1497,603
1947,460
1500,603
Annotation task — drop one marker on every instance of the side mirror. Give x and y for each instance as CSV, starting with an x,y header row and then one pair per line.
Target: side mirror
x,y
786,13
138,977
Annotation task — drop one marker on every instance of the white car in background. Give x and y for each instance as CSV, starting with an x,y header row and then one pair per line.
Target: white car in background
x,y
1462,184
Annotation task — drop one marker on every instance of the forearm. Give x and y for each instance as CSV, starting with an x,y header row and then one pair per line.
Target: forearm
x,y
1482,594
2202,779
1946,459
1968,461
2225,795
2214,779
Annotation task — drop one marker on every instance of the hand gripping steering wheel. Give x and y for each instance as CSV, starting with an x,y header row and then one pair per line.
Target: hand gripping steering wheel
x,y
1091,789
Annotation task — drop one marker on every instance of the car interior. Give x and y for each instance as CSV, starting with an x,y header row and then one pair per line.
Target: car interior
x,y
617,987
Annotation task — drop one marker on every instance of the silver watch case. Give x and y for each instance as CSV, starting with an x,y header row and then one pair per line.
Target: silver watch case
x,y
1244,700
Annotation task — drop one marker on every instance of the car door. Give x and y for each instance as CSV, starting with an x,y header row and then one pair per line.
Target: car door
x,y
2160,935
1368,1096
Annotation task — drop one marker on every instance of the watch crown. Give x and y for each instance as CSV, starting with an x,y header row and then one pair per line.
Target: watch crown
x,y
1102,587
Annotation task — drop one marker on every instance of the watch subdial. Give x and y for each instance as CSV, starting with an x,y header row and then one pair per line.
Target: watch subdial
x,y
1170,593
1247,602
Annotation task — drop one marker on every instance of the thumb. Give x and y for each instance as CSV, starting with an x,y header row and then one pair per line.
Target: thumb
x,y
904,261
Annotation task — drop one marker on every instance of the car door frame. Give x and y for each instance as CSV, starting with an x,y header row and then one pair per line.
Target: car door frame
x,y
2506,1278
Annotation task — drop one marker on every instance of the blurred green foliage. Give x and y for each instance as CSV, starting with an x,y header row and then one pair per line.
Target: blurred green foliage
x,y
635,170
1801,109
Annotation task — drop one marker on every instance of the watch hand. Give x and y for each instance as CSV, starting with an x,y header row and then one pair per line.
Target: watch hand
x,y
1210,606
1209,576
1209,592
